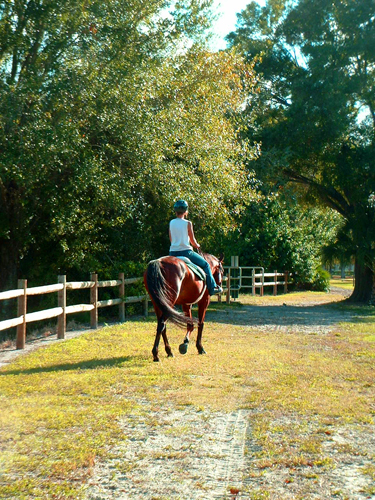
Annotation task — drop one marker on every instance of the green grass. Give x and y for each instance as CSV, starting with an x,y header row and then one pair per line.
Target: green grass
x,y
346,283
61,406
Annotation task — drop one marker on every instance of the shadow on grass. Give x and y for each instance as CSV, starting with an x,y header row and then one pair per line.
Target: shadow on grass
x,y
91,364
289,315
321,314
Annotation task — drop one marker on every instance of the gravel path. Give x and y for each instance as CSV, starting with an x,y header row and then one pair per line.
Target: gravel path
x,y
190,455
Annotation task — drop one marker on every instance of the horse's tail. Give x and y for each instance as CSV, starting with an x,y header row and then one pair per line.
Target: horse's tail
x,y
161,293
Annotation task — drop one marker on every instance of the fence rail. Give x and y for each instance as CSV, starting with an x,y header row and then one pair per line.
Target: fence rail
x,y
237,279
62,310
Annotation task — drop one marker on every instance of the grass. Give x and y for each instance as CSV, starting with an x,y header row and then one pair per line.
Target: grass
x,y
346,283
61,406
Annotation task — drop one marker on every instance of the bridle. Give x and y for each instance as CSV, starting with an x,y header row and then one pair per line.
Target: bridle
x,y
219,273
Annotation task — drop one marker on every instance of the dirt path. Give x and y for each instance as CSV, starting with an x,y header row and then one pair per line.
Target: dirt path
x,y
291,313
184,454
8,353
190,455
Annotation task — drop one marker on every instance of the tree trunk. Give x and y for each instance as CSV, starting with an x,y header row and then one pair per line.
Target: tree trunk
x,y
364,284
8,278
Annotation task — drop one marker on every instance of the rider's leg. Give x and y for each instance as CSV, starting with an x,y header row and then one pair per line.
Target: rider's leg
x,y
201,262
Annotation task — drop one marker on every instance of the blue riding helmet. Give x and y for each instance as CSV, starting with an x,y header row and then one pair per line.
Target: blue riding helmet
x,y
180,205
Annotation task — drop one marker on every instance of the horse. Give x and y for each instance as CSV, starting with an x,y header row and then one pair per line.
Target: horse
x,y
170,282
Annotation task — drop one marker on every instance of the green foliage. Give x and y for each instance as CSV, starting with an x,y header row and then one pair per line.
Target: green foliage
x,y
321,282
105,119
276,232
315,109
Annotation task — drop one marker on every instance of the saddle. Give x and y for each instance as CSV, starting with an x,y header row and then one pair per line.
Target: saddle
x,y
198,271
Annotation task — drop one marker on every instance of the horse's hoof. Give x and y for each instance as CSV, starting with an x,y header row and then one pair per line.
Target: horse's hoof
x,y
202,351
183,348
156,360
170,355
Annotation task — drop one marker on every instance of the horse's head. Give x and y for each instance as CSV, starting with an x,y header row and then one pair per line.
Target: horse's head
x,y
216,264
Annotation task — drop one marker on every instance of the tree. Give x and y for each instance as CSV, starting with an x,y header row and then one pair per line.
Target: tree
x,y
277,231
105,118
316,109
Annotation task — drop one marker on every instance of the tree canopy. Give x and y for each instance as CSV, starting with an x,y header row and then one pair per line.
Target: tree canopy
x,y
315,109
109,111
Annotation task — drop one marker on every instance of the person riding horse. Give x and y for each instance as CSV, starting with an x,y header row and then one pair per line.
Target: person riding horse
x,y
171,282
181,235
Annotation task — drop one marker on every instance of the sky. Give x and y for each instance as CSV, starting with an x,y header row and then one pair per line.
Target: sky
x,y
227,21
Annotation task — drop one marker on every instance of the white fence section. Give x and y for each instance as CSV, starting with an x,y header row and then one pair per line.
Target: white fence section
x,y
253,278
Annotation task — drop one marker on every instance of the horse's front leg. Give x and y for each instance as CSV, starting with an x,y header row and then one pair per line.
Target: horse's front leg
x,y
202,308
184,346
199,339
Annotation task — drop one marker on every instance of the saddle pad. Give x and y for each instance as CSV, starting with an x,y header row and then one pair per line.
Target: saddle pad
x,y
198,271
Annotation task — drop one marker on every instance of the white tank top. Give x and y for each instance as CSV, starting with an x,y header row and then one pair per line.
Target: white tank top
x,y
179,235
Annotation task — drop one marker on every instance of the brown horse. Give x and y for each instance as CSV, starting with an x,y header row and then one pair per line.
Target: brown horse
x,y
170,282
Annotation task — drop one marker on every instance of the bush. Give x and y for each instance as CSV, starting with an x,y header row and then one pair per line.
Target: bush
x,y
321,281
318,281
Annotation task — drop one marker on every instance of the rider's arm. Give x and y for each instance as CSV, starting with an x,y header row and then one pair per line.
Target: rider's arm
x,y
192,239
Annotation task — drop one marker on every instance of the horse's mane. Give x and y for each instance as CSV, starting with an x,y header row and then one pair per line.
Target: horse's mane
x,y
207,256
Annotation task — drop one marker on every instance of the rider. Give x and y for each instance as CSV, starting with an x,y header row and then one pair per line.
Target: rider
x,y
182,239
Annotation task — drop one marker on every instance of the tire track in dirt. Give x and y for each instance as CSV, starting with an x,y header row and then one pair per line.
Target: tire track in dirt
x,y
176,454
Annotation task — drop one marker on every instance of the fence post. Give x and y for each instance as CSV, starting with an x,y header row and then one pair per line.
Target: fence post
x,y
22,309
121,291
286,275
61,302
253,282
145,306
262,287
275,285
94,301
228,287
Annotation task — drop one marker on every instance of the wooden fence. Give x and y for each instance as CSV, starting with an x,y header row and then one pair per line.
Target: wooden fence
x,y
61,311
235,280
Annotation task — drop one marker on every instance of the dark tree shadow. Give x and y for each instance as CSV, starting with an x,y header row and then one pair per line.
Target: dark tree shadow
x,y
282,315
91,364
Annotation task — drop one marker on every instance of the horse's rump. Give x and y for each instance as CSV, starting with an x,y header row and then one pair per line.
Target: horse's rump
x,y
163,280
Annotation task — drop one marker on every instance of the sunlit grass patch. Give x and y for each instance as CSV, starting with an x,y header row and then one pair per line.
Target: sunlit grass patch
x,y
285,298
60,411
346,283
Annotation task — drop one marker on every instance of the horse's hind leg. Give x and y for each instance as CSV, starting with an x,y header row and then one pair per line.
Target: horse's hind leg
x,y
168,349
159,331
184,346
199,338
